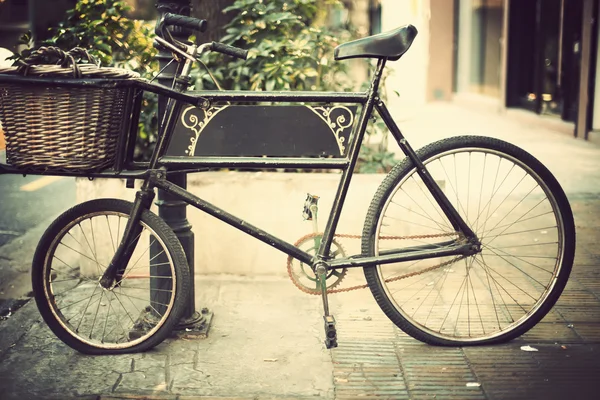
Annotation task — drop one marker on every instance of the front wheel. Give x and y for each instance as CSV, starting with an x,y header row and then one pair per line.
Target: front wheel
x,y
142,307
519,213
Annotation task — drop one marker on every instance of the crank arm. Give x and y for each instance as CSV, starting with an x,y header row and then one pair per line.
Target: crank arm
x,y
330,332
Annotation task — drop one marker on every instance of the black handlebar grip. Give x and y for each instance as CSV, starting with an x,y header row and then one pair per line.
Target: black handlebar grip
x,y
229,50
185,22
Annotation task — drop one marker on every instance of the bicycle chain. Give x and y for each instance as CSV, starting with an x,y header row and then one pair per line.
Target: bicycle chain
x,y
349,236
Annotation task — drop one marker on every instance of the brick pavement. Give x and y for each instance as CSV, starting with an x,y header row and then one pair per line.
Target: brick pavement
x,y
375,358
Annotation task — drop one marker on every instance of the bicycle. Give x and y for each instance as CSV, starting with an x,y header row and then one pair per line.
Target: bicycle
x,y
468,241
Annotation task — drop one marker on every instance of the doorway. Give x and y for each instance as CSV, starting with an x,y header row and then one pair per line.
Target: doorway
x,y
544,40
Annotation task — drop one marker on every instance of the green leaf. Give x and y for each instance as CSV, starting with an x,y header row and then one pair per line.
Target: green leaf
x,y
270,85
104,48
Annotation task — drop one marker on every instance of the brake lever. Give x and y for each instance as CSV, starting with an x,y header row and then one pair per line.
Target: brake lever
x,y
174,48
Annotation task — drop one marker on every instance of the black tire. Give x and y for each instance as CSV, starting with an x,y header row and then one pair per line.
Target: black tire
x,y
518,211
136,314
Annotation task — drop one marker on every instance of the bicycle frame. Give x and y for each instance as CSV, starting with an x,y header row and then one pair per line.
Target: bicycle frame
x,y
523,218
157,177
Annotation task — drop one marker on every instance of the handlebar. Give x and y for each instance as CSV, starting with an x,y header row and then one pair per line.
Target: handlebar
x,y
185,22
229,50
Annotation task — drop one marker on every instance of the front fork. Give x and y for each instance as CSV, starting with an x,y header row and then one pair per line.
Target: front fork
x,y
115,270
144,197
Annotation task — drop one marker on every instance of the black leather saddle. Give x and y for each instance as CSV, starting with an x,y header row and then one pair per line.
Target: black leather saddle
x,y
391,45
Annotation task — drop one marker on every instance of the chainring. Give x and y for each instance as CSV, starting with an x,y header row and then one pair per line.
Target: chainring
x,y
302,274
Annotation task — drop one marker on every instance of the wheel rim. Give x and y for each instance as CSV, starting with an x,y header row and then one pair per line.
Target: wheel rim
x,y
125,315
494,292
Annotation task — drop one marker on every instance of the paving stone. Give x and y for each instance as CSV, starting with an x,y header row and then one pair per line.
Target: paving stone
x,y
574,314
182,352
553,316
588,331
152,380
149,360
119,363
551,332
98,381
185,378
439,372
215,398
139,397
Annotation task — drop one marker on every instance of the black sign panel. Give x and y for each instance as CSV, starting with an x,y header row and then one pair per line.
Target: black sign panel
x,y
256,131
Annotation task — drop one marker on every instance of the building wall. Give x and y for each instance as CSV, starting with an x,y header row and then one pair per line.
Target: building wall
x,y
407,76
442,43
482,68
480,47
358,16
596,109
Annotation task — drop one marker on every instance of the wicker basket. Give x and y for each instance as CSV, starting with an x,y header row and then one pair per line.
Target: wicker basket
x,y
52,126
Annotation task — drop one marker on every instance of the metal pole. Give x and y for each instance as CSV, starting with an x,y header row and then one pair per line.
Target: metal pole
x,y
587,23
171,210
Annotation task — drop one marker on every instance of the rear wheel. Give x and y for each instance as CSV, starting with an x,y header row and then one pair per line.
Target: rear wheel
x,y
519,213
144,305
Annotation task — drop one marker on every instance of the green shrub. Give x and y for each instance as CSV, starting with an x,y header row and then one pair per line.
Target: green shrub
x,y
289,49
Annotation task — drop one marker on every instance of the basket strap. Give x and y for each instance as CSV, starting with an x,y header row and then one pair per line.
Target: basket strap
x,y
53,55
82,54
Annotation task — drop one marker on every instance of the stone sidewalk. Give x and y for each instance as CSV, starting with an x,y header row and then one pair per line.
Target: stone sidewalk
x,y
266,338
266,343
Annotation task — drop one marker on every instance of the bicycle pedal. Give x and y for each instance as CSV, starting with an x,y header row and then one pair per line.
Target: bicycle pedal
x,y
309,205
330,332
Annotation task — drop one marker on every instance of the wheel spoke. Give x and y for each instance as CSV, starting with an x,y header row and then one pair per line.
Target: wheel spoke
x,y
437,210
520,258
112,240
520,219
515,301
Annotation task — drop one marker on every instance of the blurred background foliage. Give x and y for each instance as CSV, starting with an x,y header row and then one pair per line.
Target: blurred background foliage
x,y
290,43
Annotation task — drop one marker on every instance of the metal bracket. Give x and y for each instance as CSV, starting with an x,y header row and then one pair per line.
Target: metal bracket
x,y
195,327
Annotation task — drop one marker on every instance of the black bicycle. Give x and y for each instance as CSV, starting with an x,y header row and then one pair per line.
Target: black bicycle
x,y
469,240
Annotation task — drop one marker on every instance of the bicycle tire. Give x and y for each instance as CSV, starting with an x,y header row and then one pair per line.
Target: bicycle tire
x,y
521,256
71,257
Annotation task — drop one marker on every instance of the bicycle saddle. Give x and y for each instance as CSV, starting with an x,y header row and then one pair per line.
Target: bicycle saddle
x,y
391,45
